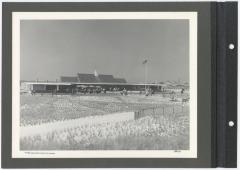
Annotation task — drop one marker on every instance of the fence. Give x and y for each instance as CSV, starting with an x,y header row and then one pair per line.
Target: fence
x,y
155,111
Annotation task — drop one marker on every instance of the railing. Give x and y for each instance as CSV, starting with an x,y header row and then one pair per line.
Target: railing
x,y
155,111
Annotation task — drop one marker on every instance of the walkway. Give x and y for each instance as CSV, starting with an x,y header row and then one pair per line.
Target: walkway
x,y
48,127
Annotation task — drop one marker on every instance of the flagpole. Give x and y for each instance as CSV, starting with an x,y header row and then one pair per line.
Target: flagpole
x,y
145,77
146,72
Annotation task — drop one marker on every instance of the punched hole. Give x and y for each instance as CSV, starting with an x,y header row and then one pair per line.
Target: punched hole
x,y
231,46
231,123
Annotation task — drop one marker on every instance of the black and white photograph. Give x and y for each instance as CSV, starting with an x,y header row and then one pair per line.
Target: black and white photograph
x,y
90,83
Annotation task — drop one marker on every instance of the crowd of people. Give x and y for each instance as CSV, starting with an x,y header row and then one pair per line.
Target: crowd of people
x,y
101,90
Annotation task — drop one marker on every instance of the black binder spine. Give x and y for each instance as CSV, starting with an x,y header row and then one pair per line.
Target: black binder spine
x,y
226,83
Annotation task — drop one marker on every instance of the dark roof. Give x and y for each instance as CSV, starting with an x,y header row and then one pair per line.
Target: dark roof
x,y
87,78
68,79
120,80
91,78
106,78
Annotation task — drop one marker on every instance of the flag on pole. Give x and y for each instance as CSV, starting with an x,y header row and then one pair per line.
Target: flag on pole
x,y
144,62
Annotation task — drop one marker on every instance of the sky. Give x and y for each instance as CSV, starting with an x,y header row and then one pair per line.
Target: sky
x,y
53,48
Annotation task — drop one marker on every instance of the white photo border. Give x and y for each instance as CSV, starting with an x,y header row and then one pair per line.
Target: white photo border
x,y
18,16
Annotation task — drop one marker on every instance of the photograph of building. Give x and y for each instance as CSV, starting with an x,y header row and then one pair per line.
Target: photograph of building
x,y
104,85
